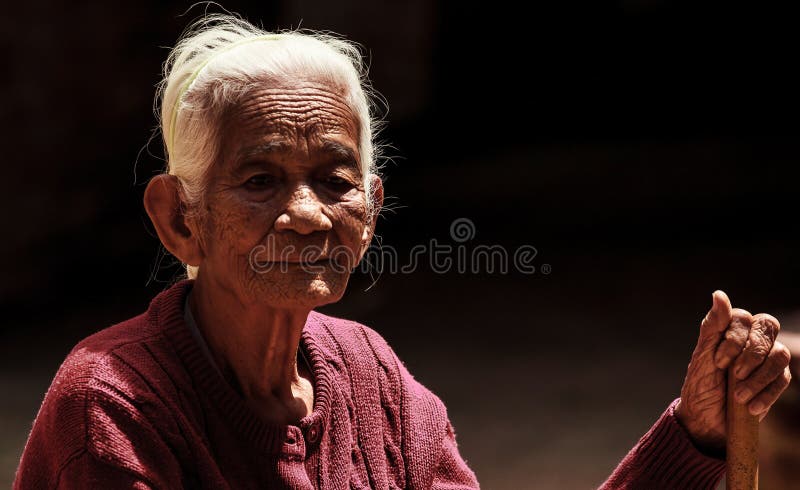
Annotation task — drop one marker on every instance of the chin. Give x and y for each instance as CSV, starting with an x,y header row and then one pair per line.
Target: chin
x,y
287,290
322,293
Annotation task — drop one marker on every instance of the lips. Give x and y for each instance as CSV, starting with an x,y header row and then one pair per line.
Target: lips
x,y
288,255
320,261
310,255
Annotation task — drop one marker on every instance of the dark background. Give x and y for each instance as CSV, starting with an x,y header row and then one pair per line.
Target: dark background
x,y
647,149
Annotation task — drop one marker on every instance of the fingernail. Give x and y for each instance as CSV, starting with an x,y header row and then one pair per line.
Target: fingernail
x,y
742,394
756,408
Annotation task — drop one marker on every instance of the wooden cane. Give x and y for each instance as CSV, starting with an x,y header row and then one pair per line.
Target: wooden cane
x,y
742,445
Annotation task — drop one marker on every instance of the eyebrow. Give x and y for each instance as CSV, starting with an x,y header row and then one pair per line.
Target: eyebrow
x,y
270,147
342,153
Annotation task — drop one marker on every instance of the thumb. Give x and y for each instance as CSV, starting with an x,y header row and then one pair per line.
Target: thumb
x,y
718,317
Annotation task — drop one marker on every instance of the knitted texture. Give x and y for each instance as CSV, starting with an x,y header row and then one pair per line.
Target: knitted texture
x,y
140,405
665,458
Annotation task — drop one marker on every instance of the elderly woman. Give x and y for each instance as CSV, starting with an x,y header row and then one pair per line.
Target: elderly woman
x,y
230,379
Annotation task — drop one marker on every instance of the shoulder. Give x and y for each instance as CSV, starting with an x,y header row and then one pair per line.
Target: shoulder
x,y
111,375
135,356
96,360
110,338
100,403
131,359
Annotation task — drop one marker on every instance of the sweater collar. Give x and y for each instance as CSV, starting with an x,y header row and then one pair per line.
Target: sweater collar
x,y
166,312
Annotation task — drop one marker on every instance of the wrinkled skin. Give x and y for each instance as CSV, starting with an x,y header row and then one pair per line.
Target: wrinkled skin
x,y
282,223
731,337
289,182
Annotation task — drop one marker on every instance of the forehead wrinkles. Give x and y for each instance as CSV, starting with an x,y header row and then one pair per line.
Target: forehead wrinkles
x,y
295,111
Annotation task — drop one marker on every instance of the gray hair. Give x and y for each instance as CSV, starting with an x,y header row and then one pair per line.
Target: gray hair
x,y
218,59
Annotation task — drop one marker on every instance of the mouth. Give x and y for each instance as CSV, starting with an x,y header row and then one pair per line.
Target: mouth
x,y
319,261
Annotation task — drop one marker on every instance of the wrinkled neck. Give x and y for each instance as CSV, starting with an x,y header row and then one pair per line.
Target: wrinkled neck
x,y
256,348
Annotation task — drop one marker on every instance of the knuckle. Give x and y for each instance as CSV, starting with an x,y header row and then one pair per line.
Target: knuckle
x,y
781,354
770,322
736,335
761,339
765,331
776,325
744,316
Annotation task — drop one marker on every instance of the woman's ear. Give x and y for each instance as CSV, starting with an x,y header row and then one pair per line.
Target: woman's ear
x,y
376,185
164,206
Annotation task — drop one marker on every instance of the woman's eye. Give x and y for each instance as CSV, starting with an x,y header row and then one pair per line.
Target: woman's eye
x,y
261,180
338,184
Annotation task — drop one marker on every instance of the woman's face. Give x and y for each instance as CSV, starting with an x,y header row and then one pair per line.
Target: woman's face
x,y
285,216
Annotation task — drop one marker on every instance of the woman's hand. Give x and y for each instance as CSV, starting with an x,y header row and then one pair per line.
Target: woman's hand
x,y
731,337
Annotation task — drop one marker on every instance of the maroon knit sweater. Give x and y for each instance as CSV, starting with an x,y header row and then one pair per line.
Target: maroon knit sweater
x,y
141,405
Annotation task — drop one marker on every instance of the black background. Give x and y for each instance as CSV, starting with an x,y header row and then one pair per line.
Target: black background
x,y
647,149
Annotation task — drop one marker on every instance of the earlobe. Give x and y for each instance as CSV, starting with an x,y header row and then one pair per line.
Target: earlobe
x,y
164,206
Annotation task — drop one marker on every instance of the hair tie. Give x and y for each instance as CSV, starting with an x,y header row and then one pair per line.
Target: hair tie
x,y
189,81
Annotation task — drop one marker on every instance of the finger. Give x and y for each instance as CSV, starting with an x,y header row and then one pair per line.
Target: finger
x,y
769,395
735,338
718,317
759,344
792,341
773,368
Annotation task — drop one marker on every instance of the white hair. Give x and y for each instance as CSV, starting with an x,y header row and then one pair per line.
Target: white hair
x,y
218,59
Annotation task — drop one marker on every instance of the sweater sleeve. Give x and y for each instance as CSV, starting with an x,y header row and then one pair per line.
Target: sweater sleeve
x,y
666,458
452,473
92,434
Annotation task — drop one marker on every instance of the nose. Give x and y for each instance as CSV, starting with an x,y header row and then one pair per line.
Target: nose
x,y
303,214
